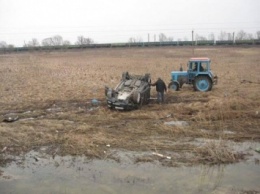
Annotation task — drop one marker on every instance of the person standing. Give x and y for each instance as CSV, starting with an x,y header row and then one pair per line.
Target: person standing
x,y
160,88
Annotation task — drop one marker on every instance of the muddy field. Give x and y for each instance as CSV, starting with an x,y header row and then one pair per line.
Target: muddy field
x,y
50,94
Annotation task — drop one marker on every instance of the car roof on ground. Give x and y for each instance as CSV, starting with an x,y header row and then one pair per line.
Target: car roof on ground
x,y
200,59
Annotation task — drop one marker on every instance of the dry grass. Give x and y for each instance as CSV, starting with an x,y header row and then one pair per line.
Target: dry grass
x,y
217,152
56,88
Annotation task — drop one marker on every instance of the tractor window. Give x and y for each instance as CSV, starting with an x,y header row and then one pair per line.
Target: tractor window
x,y
194,66
204,66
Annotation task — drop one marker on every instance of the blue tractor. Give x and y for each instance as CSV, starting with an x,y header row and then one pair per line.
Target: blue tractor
x,y
198,74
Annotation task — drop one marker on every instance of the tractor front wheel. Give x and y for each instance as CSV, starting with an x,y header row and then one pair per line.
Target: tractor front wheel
x,y
202,84
174,86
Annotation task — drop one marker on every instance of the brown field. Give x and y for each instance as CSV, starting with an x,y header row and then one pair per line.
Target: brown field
x,y
51,92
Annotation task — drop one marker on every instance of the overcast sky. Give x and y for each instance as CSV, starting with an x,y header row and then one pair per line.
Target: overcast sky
x,y
118,20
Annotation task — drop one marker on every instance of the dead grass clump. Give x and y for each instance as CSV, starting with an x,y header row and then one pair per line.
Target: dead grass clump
x,y
216,152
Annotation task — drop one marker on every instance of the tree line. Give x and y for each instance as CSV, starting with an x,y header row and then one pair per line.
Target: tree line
x,y
223,36
58,40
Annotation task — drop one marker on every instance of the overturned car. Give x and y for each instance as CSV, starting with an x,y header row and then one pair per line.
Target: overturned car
x,y
132,92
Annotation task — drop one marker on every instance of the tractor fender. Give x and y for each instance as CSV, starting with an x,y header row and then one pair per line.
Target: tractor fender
x,y
204,75
172,83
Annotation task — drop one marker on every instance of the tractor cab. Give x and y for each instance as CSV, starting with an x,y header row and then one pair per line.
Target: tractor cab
x,y
197,66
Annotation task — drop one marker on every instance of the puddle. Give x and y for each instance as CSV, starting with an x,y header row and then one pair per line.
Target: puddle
x,y
40,173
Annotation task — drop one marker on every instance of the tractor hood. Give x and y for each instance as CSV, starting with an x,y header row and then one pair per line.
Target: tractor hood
x,y
179,72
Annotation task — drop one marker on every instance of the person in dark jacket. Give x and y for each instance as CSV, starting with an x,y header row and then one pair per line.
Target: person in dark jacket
x,y
160,88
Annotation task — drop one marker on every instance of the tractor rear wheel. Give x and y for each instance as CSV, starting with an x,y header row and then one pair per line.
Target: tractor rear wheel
x,y
202,84
174,86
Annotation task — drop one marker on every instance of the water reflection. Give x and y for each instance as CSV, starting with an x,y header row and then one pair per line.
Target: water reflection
x,y
80,175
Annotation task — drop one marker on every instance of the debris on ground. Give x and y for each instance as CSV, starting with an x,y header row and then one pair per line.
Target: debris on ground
x,y
95,102
4,149
10,119
161,155
177,123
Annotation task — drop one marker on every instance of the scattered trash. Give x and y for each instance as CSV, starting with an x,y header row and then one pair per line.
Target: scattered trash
x,y
248,81
157,154
26,119
4,149
161,155
169,115
10,119
95,102
27,112
36,159
108,145
177,123
92,109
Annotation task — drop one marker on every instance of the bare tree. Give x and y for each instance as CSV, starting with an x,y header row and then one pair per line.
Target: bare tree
x,y
162,37
47,42
170,39
258,35
136,39
10,46
241,35
84,41
250,36
56,40
211,36
222,35
3,44
32,43
66,43
199,37
131,40
229,36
